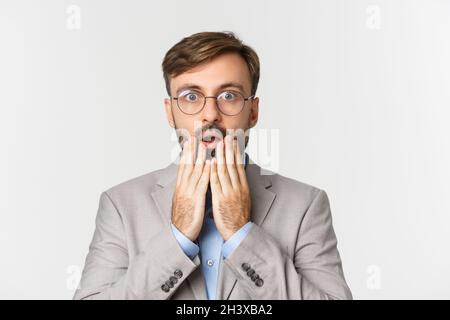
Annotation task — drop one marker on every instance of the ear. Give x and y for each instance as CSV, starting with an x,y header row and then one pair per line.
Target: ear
x,y
169,114
254,112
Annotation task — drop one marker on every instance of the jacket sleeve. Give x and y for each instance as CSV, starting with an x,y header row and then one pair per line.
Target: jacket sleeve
x,y
109,273
315,272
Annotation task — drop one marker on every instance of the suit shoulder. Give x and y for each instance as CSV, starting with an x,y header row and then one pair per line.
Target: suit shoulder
x,y
294,187
137,185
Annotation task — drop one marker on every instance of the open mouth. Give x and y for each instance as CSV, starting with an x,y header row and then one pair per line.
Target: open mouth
x,y
210,139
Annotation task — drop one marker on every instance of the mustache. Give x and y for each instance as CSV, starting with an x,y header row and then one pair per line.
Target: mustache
x,y
199,132
210,126
239,134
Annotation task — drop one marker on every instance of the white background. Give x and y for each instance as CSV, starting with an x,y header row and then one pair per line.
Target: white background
x,y
359,91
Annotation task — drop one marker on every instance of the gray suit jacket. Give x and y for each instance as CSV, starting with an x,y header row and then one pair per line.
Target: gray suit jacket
x,y
291,246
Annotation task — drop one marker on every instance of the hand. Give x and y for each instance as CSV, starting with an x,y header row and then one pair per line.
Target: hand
x,y
229,188
188,202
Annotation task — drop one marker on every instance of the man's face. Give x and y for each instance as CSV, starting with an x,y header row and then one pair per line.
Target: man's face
x,y
227,71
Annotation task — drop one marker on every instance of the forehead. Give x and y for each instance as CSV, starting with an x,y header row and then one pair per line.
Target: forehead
x,y
226,68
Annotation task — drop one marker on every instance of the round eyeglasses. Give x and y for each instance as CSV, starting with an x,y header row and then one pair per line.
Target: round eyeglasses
x,y
229,102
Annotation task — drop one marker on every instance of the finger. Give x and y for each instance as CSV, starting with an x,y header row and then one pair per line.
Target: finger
x,y
184,152
230,161
189,159
199,164
192,150
222,171
179,174
240,158
240,165
185,146
201,153
214,178
202,185
194,147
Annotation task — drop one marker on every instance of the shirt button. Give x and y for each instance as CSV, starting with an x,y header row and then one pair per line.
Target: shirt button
x,y
210,262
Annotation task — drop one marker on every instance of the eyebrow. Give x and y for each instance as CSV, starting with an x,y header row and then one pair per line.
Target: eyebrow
x,y
222,86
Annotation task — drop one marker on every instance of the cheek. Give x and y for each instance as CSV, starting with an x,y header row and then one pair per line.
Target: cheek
x,y
242,121
185,122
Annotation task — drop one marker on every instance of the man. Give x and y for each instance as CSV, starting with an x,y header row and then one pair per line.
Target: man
x,y
211,225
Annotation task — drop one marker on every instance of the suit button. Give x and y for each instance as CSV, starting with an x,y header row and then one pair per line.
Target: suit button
x,y
169,283
178,273
173,279
245,266
254,277
165,288
250,272
259,282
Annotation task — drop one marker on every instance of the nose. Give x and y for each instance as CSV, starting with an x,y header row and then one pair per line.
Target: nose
x,y
211,111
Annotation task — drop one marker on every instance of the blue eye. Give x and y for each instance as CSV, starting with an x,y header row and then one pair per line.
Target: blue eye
x,y
189,96
228,95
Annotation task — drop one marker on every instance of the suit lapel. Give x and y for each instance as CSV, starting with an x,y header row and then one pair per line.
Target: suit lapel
x,y
261,201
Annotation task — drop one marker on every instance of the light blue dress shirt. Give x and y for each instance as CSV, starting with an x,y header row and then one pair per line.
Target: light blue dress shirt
x,y
211,245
